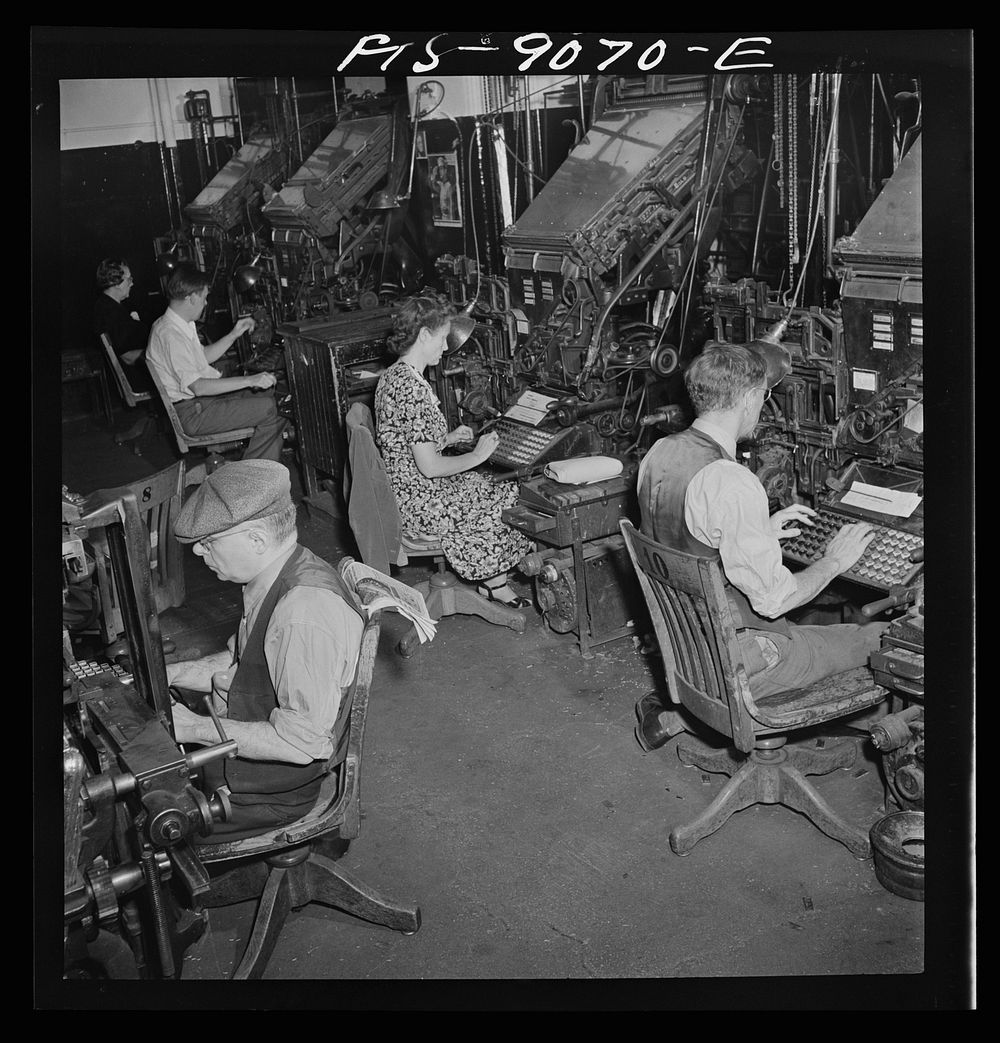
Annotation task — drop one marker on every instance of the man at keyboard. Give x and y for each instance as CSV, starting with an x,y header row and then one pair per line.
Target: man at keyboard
x,y
695,497
280,683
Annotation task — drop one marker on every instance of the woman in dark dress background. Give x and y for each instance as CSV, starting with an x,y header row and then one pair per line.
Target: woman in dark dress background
x,y
126,331
440,495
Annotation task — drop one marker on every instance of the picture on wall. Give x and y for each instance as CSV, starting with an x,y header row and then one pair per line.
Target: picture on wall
x,y
446,197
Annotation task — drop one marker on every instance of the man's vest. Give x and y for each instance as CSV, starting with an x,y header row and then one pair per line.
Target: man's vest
x,y
252,696
672,463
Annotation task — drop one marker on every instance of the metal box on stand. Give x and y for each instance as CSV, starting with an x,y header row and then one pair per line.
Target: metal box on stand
x,y
583,577
331,364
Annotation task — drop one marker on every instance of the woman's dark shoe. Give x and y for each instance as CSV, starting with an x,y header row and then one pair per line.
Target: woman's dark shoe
x,y
490,594
656,724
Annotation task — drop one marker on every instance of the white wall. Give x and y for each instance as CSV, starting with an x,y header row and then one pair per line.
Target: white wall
x,y
102,113
463,95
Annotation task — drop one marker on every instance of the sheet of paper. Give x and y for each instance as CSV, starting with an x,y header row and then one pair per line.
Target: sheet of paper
x,y
884,501
913,420
530,408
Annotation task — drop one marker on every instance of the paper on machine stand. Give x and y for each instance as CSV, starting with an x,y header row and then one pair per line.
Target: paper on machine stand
x,y
883,501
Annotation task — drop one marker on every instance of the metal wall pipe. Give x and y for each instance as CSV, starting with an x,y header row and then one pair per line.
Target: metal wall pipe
x,y
529,164
295,109
834,161
154,101
167,119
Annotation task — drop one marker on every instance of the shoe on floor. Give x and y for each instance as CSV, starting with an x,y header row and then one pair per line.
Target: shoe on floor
x,y
490,593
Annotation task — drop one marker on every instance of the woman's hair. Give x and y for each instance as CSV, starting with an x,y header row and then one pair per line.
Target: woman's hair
x,y
430,309
720,374
110,272
185,279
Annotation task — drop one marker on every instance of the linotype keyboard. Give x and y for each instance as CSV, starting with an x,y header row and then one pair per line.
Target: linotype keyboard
x,y
88,669
885,562
521,445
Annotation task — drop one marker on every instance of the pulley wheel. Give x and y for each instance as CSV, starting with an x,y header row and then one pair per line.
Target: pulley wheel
x,y
664,360
898,847
606,424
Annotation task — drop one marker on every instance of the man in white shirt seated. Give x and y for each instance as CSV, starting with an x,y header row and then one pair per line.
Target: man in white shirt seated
x,y
207,402
695,497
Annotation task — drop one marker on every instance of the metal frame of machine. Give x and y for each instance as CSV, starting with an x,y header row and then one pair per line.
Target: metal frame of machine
x,y
130,803
681,216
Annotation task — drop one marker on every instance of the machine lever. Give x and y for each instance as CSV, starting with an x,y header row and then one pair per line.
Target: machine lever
x,y
210,706
897,596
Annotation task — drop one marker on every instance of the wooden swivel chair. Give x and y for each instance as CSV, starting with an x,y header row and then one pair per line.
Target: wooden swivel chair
x,y
443,593
216,442
160,498
130,397
705,674
292,866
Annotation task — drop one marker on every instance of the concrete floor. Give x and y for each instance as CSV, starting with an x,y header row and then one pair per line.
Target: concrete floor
x,y
504,792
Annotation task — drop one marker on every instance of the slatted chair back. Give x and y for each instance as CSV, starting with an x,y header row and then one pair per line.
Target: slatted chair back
x,y
702,657
130,397
696,634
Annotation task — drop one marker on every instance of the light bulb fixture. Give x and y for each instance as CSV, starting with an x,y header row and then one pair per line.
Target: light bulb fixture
x,y
383,199
166,262
247,275
776,356
461,328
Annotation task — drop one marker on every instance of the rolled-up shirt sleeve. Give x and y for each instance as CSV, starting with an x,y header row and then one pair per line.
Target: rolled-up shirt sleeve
x,y
726,507
311,648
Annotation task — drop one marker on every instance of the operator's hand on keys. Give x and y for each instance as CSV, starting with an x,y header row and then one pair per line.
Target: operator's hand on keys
x,y
795,515
848,544
244,325
487,445
264,380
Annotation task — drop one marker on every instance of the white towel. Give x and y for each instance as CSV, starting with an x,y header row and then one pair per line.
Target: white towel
x,y
583,470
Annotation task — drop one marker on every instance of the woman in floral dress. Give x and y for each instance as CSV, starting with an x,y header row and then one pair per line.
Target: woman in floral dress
x,y
438,495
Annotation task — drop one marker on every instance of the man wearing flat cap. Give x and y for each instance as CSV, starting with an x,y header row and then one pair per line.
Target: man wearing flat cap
x,y
280,684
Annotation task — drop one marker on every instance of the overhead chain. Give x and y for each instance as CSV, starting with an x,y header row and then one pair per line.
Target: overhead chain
x,y
779,137
489,204
792,175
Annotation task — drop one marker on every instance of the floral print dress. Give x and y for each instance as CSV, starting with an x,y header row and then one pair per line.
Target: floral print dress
x,y
462,510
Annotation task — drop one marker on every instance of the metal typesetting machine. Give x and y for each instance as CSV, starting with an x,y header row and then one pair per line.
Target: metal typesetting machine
x,y
854,391
130,805
599,262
